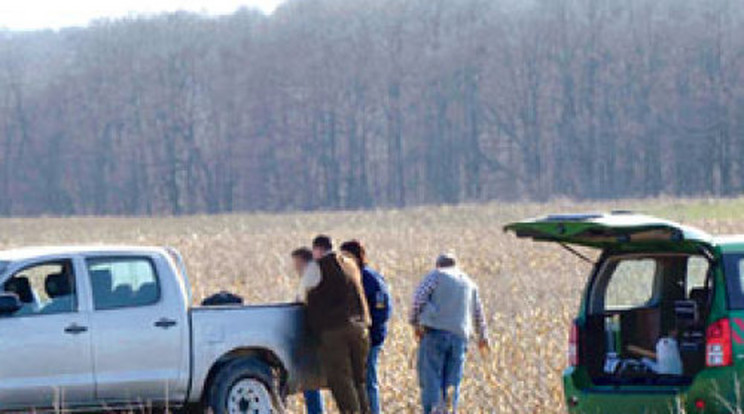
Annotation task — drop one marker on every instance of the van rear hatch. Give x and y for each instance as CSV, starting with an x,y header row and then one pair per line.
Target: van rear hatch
x,y
616,231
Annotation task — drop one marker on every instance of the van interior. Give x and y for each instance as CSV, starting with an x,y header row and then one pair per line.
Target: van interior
x,y
636,300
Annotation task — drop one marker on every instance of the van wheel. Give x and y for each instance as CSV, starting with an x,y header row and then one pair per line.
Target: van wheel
x,y
246,385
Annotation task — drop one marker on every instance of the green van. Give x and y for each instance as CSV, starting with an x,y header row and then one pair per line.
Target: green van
x,y
661,323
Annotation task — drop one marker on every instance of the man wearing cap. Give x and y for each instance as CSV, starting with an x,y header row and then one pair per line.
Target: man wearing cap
x,y
446,311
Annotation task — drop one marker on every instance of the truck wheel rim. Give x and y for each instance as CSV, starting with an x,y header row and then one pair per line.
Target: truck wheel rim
x,y
249,396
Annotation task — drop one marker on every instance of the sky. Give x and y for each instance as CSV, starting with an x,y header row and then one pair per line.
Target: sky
x,y
56,14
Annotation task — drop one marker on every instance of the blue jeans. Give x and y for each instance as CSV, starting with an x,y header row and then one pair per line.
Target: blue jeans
x,y
441,360
314,402
373,387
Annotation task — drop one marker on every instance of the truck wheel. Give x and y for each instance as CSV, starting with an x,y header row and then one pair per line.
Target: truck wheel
x,y
246,385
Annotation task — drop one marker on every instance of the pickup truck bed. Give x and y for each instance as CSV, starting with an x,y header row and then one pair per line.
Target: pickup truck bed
x,y
275,331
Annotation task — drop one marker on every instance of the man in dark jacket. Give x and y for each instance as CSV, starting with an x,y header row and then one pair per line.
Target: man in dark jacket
x,y
380,309
338,315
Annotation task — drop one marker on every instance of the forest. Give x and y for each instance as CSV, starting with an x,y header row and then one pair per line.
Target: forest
x,y
354,104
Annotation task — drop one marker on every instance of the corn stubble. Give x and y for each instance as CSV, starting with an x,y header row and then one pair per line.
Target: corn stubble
x,y
530,290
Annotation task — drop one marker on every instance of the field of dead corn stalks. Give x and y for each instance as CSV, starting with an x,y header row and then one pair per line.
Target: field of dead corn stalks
x,y
530,291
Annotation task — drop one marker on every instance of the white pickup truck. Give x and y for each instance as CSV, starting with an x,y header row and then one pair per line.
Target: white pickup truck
x,y
98,328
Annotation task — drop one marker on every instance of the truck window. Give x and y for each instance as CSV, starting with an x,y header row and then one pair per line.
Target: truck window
x,y
631,285
121,282
44,289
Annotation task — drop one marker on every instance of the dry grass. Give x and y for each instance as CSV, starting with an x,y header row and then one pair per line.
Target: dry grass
x,y
530,290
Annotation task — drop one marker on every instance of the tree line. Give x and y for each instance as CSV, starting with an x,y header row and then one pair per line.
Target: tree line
x,y
344,104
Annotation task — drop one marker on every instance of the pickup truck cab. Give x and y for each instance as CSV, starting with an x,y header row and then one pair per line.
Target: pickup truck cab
x,y
660,327
96,328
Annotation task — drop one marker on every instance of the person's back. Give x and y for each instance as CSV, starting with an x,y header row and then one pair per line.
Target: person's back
x,y
338,298
451,302
446,310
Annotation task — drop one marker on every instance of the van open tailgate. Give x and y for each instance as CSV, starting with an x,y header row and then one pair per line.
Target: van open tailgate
x,y
611,230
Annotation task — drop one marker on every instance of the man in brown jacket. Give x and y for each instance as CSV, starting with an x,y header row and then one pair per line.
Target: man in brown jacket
x,y
338,316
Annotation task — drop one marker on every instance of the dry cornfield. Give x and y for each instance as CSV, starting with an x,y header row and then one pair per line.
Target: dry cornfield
x,y
530,291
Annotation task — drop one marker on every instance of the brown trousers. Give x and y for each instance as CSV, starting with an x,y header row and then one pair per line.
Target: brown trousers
x,y
343,354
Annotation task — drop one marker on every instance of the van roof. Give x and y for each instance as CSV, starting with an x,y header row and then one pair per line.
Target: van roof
x,y
730,243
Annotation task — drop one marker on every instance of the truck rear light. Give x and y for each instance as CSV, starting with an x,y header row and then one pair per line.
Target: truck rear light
x,y
573,345
718,344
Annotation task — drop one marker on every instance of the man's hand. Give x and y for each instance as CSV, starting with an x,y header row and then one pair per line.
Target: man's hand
x,y
484,347
419,331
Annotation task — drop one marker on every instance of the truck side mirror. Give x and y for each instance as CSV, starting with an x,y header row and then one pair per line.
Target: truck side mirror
x,y
10,303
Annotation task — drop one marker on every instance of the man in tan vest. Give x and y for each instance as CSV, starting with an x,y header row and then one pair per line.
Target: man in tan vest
x,y
338,316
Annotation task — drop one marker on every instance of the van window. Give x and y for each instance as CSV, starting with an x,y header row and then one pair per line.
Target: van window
x,y
123,282
734,268
631,285
697,273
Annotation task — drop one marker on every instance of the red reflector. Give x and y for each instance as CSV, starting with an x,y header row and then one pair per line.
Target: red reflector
x,y
573,346
700,405
573,401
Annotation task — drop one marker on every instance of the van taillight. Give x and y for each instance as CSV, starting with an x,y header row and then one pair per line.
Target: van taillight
x,y
718,344
573,346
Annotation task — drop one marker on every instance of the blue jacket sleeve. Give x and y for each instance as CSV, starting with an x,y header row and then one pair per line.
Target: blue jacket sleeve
x,y
379,302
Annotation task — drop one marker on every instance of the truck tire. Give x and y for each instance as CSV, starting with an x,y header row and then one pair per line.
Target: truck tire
x,y
245,385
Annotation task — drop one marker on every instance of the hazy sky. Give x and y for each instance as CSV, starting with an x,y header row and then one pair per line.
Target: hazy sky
x,y
38,14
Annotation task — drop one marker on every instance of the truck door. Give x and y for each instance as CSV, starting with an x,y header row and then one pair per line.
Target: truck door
x,y
140,333
45,353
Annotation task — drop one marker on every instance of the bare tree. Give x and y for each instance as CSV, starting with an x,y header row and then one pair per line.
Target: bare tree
x,y
330,104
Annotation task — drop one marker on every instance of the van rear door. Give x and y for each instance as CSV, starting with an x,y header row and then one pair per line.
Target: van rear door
x,y
635,237
615,231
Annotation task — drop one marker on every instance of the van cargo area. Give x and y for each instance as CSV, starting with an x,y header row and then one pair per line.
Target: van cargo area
x,y
646,320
